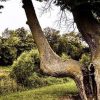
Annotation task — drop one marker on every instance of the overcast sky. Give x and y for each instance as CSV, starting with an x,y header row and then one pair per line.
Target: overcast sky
x,y
13,15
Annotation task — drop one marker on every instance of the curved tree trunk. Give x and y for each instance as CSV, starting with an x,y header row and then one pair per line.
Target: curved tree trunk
x,y
90,29
51,63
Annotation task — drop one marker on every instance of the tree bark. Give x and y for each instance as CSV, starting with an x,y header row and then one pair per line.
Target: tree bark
x,y
51,63
90,29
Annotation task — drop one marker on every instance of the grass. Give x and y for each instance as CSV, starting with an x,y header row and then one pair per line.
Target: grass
x,y
4,70
53,92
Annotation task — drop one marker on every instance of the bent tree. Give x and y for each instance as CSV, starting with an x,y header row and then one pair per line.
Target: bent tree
x,y
85,14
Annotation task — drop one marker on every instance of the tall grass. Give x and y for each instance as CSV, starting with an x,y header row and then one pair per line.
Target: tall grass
x,y
8,85
5,70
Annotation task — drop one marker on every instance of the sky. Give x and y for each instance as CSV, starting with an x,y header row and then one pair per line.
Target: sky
x,y
13,15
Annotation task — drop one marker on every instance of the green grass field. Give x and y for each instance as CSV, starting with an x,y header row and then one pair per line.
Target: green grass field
x,y
53,92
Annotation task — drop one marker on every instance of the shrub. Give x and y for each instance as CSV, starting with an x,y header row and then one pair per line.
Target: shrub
x,y
7,55
8,85
24,66
65,57
37,81
85,59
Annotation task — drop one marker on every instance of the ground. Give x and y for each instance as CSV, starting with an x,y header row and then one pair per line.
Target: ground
x,y
66,91
54,92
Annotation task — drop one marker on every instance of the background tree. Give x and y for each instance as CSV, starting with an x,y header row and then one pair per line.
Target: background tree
x,y
13,44
69,43
53,38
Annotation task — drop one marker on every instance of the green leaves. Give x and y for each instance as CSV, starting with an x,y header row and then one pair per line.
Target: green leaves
x,y
24,67
13,43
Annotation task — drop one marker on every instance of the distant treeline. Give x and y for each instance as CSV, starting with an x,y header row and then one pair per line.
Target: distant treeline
x,y
14,42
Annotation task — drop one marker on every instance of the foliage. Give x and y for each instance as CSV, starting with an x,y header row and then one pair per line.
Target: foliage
x,y
26,41
53,37
65,57
24,66
85,59
8,85
7,55
69,44
13,43
4,71
40,81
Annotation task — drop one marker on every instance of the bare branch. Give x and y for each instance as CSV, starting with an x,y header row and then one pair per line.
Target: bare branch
x,y
47,7
65,22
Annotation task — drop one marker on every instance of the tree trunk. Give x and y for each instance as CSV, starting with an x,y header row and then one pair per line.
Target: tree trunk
x,y
51,63
90,29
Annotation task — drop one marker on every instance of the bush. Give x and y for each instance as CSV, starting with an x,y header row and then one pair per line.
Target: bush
x,y
37,81
7,55
85,59
24,66
65,57
8,85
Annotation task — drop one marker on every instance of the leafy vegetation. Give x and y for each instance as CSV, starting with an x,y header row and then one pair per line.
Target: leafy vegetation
x,y
13,43
24,66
